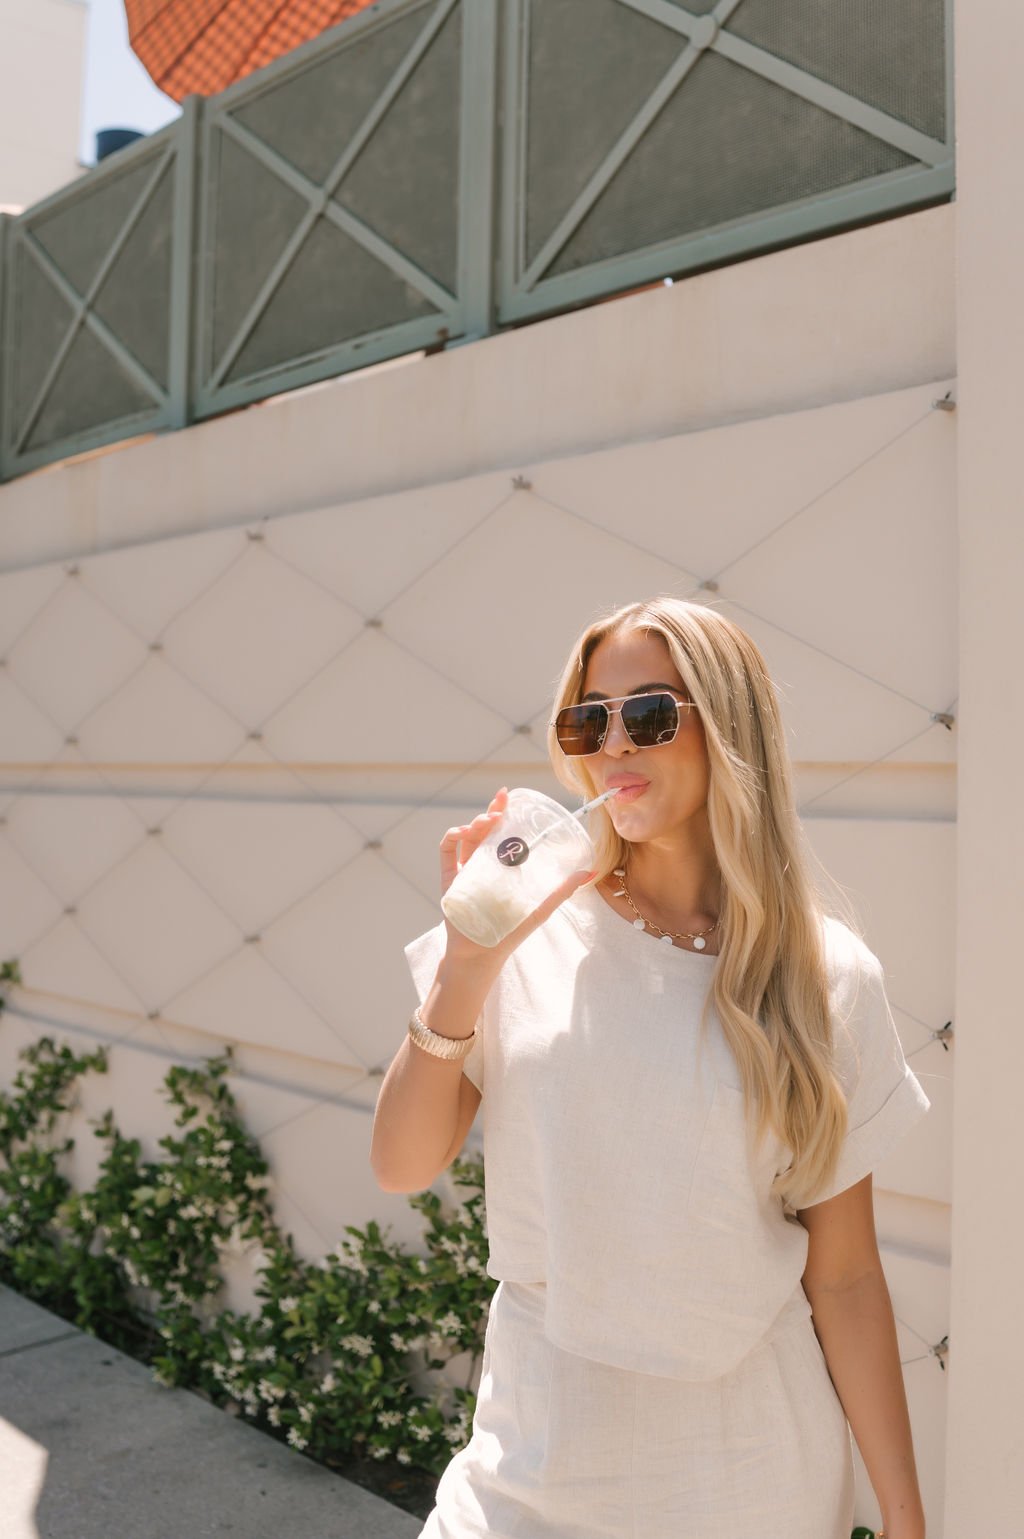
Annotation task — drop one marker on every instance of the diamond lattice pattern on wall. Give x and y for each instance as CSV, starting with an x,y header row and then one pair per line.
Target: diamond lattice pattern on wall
x,y
229,757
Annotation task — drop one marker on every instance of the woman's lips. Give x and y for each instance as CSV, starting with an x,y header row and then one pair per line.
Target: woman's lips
x,y
630,792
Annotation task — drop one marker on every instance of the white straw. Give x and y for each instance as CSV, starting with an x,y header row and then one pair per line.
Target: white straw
x,y
605,796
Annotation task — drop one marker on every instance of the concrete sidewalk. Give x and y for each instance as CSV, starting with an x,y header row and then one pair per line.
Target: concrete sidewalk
x,y
91,1447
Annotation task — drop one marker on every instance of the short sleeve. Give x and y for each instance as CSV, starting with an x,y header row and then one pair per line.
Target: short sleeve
x,y
884,1098
423,954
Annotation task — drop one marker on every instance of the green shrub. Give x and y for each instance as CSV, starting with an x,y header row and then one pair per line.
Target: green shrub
x,y
329,1359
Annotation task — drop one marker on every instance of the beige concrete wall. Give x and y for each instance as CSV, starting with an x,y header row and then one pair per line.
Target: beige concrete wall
x,y
986,1471
42,57
215,826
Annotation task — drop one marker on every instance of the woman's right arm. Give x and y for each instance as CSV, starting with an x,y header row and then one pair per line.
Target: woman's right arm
x,y
426,1105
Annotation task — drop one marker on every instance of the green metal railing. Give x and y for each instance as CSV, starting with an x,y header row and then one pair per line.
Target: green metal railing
x,y
435,169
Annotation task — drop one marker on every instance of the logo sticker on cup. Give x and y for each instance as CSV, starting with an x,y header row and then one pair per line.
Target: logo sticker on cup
x,y
512,852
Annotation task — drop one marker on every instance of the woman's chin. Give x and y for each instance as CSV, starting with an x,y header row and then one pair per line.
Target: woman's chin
x,y
631,821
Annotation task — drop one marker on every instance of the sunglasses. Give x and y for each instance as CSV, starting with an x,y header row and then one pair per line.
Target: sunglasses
x,y
649,721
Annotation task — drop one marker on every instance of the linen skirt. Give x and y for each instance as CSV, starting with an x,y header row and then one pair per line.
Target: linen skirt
x,y
563,1447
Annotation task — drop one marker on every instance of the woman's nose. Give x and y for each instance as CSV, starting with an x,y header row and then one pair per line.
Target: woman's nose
x,y
617,740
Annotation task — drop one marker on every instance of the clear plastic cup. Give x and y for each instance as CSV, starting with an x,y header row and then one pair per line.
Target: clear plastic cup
x,y
529,853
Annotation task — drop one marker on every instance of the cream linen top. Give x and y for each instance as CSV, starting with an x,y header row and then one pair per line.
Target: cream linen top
x,y
616,1157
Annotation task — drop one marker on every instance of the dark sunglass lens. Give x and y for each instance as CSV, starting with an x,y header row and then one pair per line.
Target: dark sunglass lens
x,y
650,719
580,729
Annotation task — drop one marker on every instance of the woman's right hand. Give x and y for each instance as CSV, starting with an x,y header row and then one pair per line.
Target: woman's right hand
x,y
457,847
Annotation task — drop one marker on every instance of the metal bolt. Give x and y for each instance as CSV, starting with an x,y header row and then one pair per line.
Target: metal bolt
x,y
374,844
71,741
250,940
152,1015
522,484
71,909
375,623
944,719
709,585
256,737
72,571
944,1035
156,646
157,830
941,1351
946,403
254,534
524,730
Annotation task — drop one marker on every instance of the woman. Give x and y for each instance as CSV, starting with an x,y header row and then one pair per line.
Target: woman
x,y
691,1070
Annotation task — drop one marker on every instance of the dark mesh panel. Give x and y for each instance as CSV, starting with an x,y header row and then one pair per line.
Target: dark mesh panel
x,y
332,292
79,233
41,319
91,390
135,299
592,65
405,183
889,53
256,214
311,116
728,144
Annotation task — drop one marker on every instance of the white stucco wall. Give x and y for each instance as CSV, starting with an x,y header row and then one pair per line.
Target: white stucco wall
x,y
42,56
986,1433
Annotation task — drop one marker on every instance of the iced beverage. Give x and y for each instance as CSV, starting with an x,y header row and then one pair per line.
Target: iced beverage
x,y
529,853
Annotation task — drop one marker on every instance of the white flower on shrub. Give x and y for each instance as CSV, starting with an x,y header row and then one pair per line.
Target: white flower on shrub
x,y
362,1346
288,1304
328,1382
296,1439
274,1416
423,1433
373,1307
389,1418
378,1453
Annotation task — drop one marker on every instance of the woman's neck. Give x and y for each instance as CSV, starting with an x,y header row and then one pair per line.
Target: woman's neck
x,y
679,878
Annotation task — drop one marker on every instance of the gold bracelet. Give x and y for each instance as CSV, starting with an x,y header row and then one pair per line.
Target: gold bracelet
x,y
435,1044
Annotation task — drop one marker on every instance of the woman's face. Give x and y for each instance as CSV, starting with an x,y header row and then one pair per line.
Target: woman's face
x,y
668,783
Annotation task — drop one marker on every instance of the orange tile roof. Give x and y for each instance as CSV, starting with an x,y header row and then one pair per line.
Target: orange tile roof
x,y
202,46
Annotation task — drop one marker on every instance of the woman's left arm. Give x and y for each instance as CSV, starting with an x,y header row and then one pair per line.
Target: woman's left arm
x,y
853,1318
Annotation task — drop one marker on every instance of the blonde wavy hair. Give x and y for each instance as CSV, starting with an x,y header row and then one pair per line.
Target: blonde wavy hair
x,y
771,988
